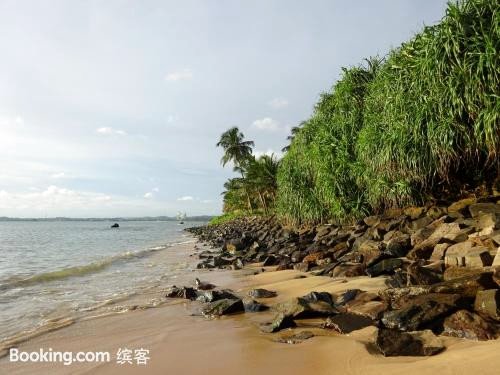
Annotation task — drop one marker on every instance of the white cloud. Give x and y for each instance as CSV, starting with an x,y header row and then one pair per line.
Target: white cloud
x,y
185,198
148,195
155,189
277,154
180,75
58,175
110,131
172,118
278,103
207,201
266,123
52,198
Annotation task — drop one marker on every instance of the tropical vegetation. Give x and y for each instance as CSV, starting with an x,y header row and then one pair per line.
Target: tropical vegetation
x,y
417,124
255,189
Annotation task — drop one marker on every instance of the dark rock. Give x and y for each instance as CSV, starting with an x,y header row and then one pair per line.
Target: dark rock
x,y
420,310
301,267
214,295
398,246
280,321
220,261
270,261
445,231
418,275
297,256
313,297
238,264
202,285
467,325
304,308
346,297
465,254
384,267
115,225
371,309
262,293
348,270
461,205
439,251
487,303
451,273
398,280
184,292
324,270
393,343
346,323
370,250
467,286
253,306
223,307
477,208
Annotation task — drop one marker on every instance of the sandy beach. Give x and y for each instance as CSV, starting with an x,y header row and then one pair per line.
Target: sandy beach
x,y
181,342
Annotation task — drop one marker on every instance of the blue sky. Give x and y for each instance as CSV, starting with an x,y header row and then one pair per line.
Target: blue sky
x,y
113,108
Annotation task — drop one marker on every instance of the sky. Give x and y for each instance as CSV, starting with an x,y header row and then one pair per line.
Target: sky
x,y
113,108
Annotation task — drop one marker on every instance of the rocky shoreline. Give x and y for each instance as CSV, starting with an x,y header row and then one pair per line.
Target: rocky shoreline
x,y
441,264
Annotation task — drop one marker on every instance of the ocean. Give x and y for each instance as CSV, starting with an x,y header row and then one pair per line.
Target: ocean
x,y
58,270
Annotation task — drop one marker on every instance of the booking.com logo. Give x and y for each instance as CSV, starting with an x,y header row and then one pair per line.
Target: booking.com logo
x,y
123,356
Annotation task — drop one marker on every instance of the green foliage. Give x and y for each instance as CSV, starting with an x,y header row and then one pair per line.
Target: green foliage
x,y
256,188
230,216
393,132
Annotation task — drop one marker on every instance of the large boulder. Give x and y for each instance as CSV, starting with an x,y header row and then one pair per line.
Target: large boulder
x,y
420,310
184,292
465,254
397,246
487,303
483,208
346,322
280,321
348,270
214,295
370,251
467,325
439,251
305,308
419,275
223,307
443,233
466,286
384,267
461,205
252,306
393,343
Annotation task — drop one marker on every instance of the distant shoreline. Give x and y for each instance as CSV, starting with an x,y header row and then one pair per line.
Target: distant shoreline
x,y
144,218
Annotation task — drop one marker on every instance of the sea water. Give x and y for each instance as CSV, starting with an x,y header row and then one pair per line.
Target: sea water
x,y
55,269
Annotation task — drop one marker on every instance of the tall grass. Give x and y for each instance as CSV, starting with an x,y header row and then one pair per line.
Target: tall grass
x,y
393,133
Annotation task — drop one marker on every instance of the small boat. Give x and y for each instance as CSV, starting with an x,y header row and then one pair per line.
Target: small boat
x,y
181,216
115,225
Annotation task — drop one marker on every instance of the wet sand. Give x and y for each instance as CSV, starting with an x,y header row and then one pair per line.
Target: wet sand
x,y
180,343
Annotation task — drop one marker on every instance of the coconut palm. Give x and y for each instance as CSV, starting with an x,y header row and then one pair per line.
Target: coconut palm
x,y
239,151
236,149
261,179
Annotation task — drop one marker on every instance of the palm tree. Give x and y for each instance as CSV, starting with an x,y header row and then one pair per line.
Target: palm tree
x,y
235,148
261,178
291,137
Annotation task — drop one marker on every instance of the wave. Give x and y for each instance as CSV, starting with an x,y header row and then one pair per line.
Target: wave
x,y
16,281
